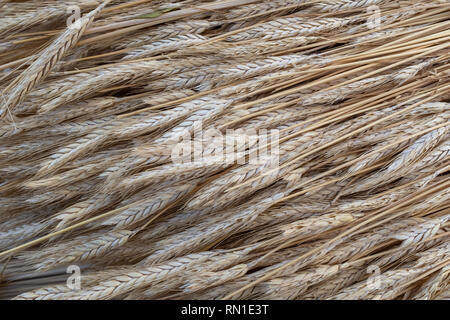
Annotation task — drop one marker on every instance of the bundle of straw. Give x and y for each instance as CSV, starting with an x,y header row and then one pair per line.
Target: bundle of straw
x,y
230,149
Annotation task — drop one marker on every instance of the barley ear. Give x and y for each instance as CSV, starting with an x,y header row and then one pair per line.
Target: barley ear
x,y
47,59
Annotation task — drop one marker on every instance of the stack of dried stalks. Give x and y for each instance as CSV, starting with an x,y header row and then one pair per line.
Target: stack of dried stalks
x,y
358,90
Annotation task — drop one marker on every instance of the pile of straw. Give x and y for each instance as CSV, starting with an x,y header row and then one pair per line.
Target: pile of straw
x,y
356,206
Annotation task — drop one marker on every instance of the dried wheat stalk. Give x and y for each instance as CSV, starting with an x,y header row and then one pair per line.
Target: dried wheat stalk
x,y
114,139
